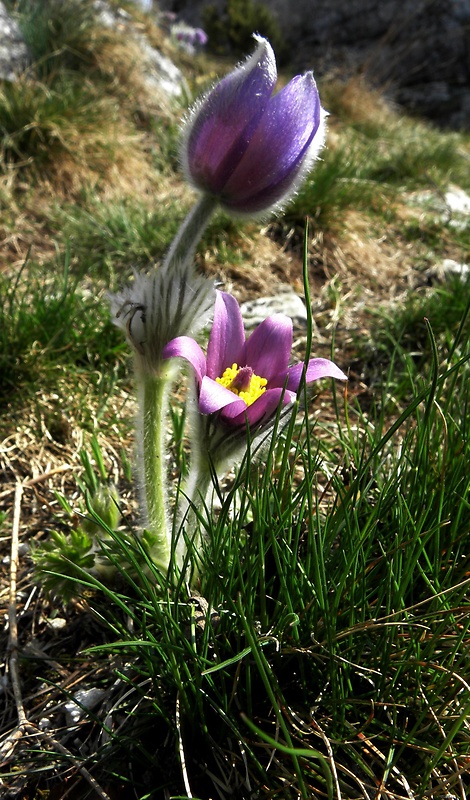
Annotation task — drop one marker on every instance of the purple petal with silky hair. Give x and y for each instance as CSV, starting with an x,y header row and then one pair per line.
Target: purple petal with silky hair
x,y
187,348
224,122
289,124
317,368
227,336
262,409
267,350
247,147
214,397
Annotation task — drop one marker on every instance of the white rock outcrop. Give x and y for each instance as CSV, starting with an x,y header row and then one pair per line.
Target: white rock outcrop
x,y
14,56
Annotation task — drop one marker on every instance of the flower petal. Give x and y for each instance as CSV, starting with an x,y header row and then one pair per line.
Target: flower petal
x,y
185,347
213,397
317,368
261,410
283,140
267,350
220,129
227,336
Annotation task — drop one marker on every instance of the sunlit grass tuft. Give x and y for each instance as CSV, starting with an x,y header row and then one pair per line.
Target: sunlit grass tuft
x,y
373,156
60,34
404,328
73,116
324,652
111,238
51,324
40,123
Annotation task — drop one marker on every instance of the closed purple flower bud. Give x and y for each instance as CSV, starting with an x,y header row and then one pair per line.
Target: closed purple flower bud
x,y
248,148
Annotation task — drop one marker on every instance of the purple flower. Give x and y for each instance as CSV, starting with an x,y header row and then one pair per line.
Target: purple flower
x,y
201,37
246,379
247,147
191,38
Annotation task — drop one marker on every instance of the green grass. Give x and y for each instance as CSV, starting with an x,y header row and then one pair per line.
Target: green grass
x,y
329,627
39,123
51,326
404,328
372,164
339,182
52,99
111,239
60,34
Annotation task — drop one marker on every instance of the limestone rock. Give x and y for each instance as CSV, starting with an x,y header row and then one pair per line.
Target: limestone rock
x,y
158,71
14,56
284,302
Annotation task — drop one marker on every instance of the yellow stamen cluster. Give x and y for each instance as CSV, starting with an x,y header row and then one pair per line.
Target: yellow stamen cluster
x,y
255,389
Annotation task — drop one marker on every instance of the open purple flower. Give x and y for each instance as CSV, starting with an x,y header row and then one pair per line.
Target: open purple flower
x,y
246,379
248,148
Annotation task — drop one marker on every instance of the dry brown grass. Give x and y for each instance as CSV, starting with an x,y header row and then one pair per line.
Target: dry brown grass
x,y
356,101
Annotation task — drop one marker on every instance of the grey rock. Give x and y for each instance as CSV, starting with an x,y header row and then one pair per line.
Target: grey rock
x,y
451,267
82,701
144,5
458,201
14,56
110,16
159,72
284,302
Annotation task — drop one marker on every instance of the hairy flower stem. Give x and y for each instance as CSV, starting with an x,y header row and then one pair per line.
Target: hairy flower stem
x,y
184,244
194,493
172,301
154,390
193,500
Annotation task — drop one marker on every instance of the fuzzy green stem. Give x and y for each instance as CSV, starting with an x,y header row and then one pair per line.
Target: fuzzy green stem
x,y
191,230
193,496
154,409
